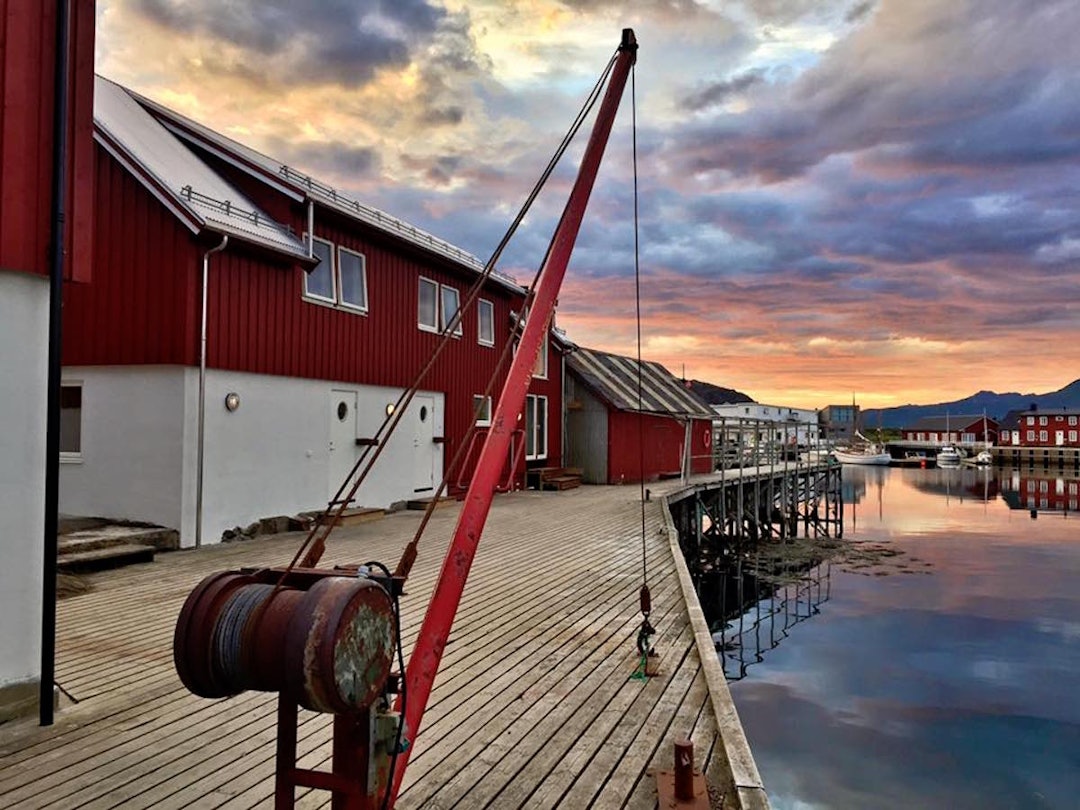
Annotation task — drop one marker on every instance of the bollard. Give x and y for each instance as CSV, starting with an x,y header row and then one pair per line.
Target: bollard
x,y
684,770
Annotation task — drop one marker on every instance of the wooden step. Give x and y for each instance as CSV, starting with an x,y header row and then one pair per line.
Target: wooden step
x,y
354,517
562,482
421,504
98,559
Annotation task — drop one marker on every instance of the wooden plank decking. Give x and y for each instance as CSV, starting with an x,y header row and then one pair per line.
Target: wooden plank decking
x,y
534,705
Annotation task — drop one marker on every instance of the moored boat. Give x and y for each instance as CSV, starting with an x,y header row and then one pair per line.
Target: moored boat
x,y
871,455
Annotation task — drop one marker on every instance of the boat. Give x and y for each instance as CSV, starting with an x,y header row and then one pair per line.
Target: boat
x,y
949,456
984,458
872,454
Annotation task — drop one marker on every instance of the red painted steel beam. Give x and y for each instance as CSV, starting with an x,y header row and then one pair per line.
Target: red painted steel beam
x,y
424,662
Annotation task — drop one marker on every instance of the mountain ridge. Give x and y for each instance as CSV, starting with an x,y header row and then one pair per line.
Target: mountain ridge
x,y
996,406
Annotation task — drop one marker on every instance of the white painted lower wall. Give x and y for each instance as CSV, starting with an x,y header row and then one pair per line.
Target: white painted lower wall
x,y
132,443
270,456
24,353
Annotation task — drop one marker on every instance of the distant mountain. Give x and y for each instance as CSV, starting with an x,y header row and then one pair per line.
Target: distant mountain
x,y
716,394
995,405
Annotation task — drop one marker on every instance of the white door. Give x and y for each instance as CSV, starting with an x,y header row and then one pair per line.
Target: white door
x,y
1059,437
423,422
342,437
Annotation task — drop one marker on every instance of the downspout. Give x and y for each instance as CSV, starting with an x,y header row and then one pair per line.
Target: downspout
x,y
201,458
311,229
52,403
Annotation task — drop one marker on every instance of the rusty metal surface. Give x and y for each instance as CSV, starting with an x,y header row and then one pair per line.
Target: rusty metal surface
x,y
339,645
324,640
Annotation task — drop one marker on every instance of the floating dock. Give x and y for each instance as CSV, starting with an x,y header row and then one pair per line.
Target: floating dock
x,y
535,704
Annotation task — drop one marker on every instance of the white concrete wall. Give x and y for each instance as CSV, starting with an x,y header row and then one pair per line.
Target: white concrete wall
x,y
269,457
24,344
132,439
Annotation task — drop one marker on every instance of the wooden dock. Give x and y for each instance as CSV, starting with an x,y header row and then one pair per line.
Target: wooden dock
x,y
534,705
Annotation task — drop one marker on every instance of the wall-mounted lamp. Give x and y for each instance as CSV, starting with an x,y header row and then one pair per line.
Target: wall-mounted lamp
x,y
389,408
232,401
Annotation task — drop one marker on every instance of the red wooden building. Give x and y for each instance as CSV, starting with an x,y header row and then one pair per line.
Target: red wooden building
x,y
307,342
615,439
29,60
965,428
1047,428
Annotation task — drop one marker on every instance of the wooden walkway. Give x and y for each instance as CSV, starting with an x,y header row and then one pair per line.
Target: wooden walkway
x,y
534,705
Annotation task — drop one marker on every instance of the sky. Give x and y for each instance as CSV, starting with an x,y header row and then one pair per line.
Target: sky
x,y
877,199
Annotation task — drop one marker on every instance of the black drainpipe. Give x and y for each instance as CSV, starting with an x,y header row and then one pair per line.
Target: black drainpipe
x,y
52,435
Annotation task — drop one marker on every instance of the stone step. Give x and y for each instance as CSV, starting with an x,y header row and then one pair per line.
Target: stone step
x,y
98,559
113,534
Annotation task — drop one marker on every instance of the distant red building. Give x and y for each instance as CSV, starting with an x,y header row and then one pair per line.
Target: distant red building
x,y
1047,428
964,428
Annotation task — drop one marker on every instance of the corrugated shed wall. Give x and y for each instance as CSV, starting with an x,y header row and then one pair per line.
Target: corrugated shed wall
x,y
142,303
586,432
27,62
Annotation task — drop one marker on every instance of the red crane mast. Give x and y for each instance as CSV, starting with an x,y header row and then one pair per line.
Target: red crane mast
x,y
424,662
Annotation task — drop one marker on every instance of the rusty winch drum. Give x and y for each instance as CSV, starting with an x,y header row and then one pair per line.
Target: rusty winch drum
x,y
323,639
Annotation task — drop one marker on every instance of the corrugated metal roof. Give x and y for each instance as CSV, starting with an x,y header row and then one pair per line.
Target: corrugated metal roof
x,y
614,378
307,186
193,187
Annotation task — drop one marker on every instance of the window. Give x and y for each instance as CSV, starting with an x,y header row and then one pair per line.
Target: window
x,y
352,268
1042,436
1044,486
428,313
1031,420
481,407
1072,420
535,427
450,304
1042,420
1031,435
319,283
71,422
1072,435
485,311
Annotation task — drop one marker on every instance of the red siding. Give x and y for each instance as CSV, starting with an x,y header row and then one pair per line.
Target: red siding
x,y
142,305
27,61
1055,423
663,439
142,308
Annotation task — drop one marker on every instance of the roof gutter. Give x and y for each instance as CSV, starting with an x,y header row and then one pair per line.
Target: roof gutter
x,y
200,452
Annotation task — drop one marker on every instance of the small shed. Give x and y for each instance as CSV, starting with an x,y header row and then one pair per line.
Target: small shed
x,y
614,436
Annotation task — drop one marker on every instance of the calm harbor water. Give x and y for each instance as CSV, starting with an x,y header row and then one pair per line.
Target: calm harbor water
x,y
953,681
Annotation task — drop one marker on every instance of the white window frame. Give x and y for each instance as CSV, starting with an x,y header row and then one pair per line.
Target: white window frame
x,y
1072,435
1031,435
332,259
1072,420
483,418
1043,437
72,456
482,306
1031,420
361,307
434,325
1042,421
533,403
443,320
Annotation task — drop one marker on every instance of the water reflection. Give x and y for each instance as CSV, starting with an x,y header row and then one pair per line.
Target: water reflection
x,y
956,689
1040,490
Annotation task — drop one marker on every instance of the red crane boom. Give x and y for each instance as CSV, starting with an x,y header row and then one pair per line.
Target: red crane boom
x,y
424,662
